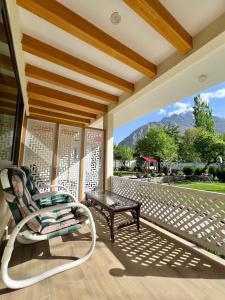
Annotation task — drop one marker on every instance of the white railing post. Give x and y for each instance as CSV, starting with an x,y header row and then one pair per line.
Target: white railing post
x,y
108,124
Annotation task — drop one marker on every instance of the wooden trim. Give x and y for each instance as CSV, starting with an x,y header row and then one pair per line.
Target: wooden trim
x,y
23,140
73,63
61,109
94,128
155,14
50,119
55,156
69,21
5,62
70,84
81,178
57,116
39,92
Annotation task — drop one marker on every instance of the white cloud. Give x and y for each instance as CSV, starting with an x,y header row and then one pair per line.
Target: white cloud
x,y
162,111
213,95
180,108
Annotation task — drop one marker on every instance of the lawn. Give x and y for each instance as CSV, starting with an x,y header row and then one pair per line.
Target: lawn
x,y
212,187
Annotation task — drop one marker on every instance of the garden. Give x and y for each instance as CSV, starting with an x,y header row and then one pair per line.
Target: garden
x,y
199,153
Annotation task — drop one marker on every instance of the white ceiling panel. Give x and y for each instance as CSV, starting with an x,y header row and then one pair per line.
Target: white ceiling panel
x,y
54,68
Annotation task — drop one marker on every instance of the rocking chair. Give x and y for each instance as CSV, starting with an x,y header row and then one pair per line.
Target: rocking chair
x,y
40,216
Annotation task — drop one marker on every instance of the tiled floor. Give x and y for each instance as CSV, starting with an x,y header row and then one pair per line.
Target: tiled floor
x,y
148,265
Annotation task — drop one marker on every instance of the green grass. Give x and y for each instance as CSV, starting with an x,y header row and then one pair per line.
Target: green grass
x,y
218,187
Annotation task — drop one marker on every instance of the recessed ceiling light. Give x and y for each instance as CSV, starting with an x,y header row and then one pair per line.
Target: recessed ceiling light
x,y
202,78
115,18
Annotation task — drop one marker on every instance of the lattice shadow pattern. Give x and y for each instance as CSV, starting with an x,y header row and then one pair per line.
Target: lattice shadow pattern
x,y
195,215
150,253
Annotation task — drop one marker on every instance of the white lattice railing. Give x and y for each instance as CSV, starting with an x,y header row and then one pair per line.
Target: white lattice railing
x,y
195,215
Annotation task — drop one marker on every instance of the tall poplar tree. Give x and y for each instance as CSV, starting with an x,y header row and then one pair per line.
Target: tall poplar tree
x,y
203,115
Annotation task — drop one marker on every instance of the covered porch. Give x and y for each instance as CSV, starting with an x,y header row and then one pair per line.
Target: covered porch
x,y
78,84
149,265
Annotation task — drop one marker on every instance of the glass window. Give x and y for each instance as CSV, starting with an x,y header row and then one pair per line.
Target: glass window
x,y
11,103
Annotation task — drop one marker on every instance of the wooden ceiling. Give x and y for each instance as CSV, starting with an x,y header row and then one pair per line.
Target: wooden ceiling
x,y
47,103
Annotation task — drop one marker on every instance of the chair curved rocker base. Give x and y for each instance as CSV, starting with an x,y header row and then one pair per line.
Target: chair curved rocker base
x,y
17,284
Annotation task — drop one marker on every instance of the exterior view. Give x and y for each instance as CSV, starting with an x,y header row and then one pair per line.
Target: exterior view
x,y
96,202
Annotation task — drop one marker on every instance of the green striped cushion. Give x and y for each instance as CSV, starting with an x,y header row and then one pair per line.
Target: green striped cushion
x,y
53,200
21,204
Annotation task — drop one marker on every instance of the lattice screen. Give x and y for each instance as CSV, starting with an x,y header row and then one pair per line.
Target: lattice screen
x,y
69,155
195,215
39,147
93,159
6,136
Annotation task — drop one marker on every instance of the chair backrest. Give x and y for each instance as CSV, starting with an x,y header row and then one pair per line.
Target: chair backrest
x,y
16,193
32,188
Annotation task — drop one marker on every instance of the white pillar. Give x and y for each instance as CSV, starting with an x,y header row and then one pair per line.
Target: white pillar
x,y
108,127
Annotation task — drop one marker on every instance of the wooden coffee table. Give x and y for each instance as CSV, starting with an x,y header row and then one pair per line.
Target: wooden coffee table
x,y
108,204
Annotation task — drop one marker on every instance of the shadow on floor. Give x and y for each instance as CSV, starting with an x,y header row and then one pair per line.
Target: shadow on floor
x,y
151,253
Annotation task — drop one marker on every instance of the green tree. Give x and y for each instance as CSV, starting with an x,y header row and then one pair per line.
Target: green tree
x,y
187,151
209,146
174,131
203,115
158,143
123,153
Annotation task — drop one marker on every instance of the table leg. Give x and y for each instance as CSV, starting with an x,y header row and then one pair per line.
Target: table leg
x,y
138,219
112,226
136,216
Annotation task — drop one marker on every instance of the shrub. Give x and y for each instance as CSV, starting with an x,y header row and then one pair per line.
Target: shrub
x,y
219,173
223,175
165,170
138,175
188,170
198,171
212,170
175,171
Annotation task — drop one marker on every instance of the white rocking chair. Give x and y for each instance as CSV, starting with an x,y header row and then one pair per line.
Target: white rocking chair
x,y
38,217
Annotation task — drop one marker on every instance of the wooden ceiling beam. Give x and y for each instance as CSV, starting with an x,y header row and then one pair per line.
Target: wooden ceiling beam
x,y
70,84
69,21
40,49
8,111
155,14
58,116
7,96
50,119
39,92
5,62
9,105
8,89
2,34
8,80
61,109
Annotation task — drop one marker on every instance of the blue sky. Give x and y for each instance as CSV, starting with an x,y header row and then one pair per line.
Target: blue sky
x,y
214,95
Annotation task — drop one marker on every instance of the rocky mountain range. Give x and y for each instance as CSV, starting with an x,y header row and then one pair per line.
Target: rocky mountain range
x,y
184,121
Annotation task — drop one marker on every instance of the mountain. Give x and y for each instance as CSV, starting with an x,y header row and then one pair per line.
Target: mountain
x,y
184,121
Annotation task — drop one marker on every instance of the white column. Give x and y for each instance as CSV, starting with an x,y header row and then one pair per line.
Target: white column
x,y
108,127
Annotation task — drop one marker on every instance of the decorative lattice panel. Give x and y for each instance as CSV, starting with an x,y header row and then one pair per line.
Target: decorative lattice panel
x,y
69,155
195,215
93,159
6,136
39,147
